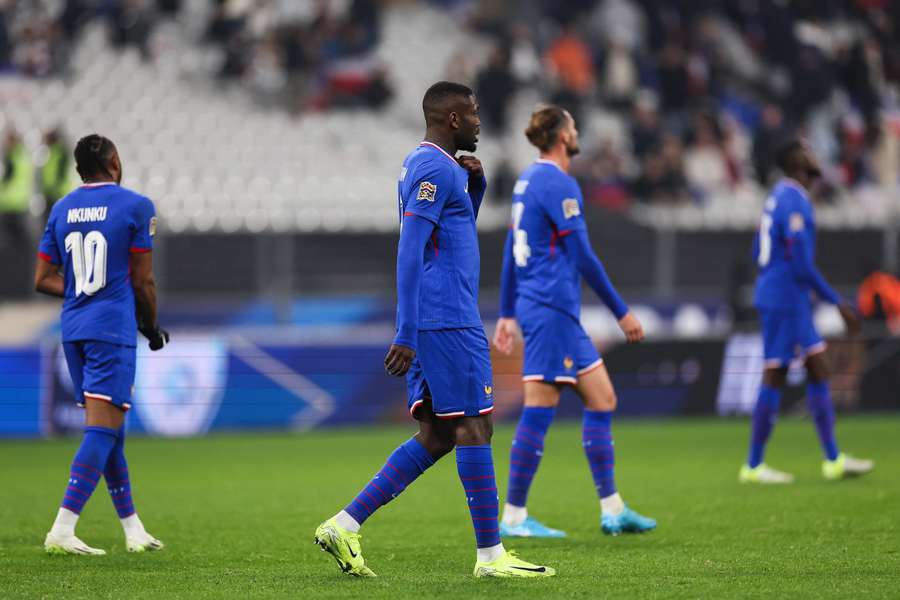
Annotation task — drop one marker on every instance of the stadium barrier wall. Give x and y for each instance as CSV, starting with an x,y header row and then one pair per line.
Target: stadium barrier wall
x,y
208,383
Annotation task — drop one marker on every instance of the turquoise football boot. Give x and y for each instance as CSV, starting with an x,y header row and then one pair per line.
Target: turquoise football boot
x,y
532,528
628,521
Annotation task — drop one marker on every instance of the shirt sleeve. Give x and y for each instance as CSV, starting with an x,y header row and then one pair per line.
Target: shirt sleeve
x,y
799,239
144,226
429,191
564,205
48,251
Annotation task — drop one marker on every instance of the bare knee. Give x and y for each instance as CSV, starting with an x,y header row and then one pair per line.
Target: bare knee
x,y
775,377
435,443
474,431
604,402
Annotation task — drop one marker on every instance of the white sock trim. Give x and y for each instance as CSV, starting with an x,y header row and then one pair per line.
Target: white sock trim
x,y
612,505
65,522
514,515
346,521
486,555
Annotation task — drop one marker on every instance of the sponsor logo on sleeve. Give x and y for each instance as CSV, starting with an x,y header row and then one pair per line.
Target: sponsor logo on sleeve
x,y
153,222
570,208
796,222
427,191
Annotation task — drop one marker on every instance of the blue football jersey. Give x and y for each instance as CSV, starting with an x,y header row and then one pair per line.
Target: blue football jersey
x,y
91,234
787,220
547,204
434,187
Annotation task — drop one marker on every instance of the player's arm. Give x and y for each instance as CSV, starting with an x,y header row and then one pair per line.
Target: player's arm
x,y
414,235
140,264
47,279
578,246
477,180
805,270
505,331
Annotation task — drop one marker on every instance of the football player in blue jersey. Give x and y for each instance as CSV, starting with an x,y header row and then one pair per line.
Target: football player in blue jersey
x,y
96,254
547,254
440,344
785,254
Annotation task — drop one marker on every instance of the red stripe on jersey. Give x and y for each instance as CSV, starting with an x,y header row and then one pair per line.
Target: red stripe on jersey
x,y
434,242
46,258
140,250
409,214
565,232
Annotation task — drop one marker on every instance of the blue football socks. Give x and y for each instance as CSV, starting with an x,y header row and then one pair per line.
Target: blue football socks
x,y
818,400
117,480
403,466
764,416
596,438
87,466
475,466
527,450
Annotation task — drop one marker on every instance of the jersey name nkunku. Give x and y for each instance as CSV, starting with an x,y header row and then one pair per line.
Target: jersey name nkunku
x,y
547,204
434,187
91,234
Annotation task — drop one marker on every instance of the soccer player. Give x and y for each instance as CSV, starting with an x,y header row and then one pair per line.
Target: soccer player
x,y
785,251
96,254
440,344
547,253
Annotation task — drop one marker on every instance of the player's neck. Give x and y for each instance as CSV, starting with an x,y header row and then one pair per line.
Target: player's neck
x,y
560,158
801,180
442,141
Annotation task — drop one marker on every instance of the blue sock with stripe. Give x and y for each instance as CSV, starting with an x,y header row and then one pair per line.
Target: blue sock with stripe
x,y
87,466
117,480
818,400
527,450
403,466
475,466
765,413
596,438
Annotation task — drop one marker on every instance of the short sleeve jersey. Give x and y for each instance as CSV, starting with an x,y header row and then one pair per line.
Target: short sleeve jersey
x,y
434,187
787,220
547,205
90,234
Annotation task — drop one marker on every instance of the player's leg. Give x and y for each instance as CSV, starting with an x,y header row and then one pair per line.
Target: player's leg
x,y
779,342
541,400
91,368
118,479
837,465
596,391
475,465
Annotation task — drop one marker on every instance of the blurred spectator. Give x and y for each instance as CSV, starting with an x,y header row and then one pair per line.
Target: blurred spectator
x,y
646,132
707,167
16,188
602,179
495,86
569,58
770,135
56,174
878,298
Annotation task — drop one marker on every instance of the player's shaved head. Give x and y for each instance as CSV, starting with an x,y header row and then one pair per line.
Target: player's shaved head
x,y
442,98
96,157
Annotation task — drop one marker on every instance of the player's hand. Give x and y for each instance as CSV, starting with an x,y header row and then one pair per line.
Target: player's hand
x,y
632,328
157,336
851,319
472,165
505,335
398,360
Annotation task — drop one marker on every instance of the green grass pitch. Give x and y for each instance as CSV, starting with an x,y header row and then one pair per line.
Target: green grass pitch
x,y
237,514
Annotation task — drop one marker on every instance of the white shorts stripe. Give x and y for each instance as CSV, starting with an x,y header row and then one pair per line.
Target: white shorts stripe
x,y
97,396
565,379
591,366
533,378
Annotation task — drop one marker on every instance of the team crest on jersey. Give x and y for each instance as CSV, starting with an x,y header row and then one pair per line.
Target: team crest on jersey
x,y
796,222
568,363
427,191
570,208
153,222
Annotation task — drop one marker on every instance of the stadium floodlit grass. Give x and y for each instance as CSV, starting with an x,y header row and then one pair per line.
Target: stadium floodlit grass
x,y
237,514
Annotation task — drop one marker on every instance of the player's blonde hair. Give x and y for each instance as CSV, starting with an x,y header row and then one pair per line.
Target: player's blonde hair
x,y
544,126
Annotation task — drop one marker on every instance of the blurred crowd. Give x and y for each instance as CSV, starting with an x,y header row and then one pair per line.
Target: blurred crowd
x,y
689,99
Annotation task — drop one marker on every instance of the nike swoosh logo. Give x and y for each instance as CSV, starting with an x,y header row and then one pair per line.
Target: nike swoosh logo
x,y
352,553
535,569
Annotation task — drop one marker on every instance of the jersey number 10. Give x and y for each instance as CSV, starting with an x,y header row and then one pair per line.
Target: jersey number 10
x,y
88,261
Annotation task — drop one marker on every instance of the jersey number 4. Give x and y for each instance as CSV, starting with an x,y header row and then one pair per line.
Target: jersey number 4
x,y
88,261
521,249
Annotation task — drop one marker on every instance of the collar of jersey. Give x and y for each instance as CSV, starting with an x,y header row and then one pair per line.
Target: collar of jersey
x,y
790,181
547,161
441,150
97,184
